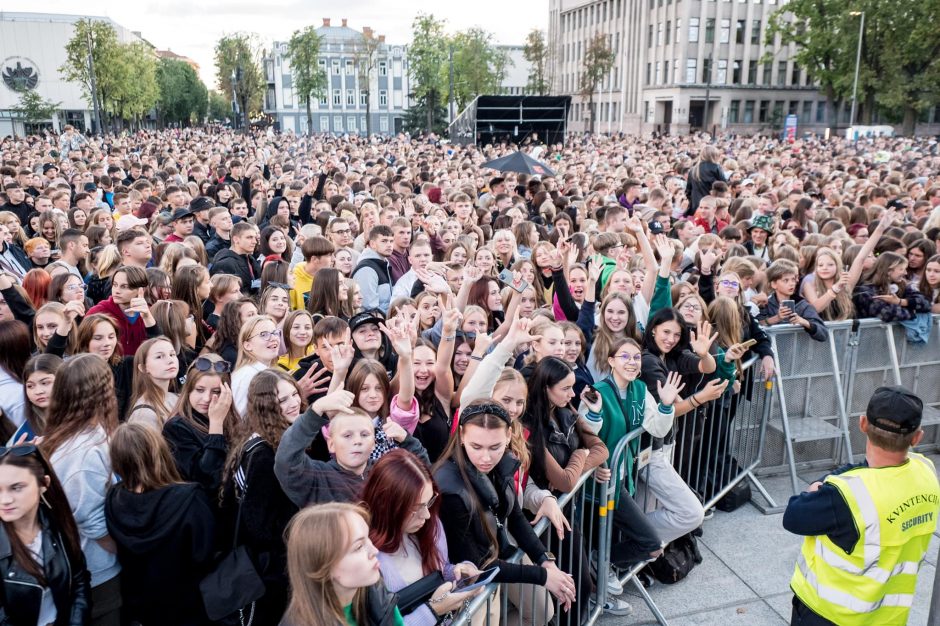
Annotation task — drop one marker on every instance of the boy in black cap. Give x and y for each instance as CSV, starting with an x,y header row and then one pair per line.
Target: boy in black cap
x,y
867,526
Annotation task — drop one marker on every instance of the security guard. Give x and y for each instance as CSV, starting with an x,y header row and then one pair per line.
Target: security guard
x,y
867,526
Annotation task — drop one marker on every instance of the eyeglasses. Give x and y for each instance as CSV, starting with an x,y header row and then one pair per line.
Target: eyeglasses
x,y
268,334
691,306
731,284
21,450
203,364
426,506
627,358
78,287
342,231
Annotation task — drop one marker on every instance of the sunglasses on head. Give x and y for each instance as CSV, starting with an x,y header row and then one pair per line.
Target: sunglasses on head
x,y
21,450
203,364
283,286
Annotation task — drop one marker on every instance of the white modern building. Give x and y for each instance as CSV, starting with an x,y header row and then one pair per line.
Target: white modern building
x,y
673,56
342,109
32,49
516,79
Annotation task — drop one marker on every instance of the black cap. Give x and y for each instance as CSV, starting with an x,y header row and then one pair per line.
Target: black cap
x,y
90,187
49,166
179,214
201,203
366,317
656,228
895,409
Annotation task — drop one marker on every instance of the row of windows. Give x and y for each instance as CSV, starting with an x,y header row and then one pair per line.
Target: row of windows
x,y
742,73
572,51
741,33
351,67
601,12
353,124
773,112
609,112
351,98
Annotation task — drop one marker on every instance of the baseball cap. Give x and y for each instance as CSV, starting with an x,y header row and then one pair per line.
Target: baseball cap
x,y
895,409
202,203
366,317
126,222
49,166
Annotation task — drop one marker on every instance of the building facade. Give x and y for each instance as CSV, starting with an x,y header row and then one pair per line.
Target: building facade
x,y
32,49
683,65
516,79
342,109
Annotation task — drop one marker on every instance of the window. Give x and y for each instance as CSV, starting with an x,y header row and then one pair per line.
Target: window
x,y
752,73
336,67
764,107
324,124
337,98
659,73
736,70
349,68
351,97
668,32
659,34
678,29
795,76
363,97
820,112
383,98
755,32
807,110
383,68
691,70
733,111
739,31
710,30
768,69
337,123
649,37
323,100
782,73
693,30
778,112
649,73
383,124
665,72
725,31
706,70
793,107
321,65
721,73
351,123
749,112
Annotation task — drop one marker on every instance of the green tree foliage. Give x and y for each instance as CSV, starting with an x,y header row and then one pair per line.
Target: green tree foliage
x,y
416,118
220,107
427,55
33,108
138,91
479,66
240,54
183,98
536,52
598,60
367,57
310,82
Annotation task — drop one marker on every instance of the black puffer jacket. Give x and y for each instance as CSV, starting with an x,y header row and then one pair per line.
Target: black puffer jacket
x,y
22,594
244,266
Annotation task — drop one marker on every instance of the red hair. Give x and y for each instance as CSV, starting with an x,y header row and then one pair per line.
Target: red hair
x,y
391,494
36,284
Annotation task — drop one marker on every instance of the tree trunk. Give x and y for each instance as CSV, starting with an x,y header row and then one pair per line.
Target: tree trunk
x,y
309,116
429,103
591,111
368,112
909,125
245,121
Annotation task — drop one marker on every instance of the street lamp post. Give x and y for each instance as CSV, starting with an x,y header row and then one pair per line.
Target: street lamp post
x,y
858,62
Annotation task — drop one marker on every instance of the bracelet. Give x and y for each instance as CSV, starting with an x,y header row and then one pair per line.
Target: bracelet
x,y
474,357
695,404
440,599
449,337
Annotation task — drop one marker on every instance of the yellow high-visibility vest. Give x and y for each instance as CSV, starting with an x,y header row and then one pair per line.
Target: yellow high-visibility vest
x,y
895,511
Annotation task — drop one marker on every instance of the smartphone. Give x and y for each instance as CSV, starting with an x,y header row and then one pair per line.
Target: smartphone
x,y
506,278
790,304
590,394
749,343
475,582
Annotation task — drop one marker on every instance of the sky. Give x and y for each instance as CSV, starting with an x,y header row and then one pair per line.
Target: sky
x,y
191,27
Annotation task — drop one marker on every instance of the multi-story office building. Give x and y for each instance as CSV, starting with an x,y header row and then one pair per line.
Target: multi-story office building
x,y
342,108
672,54
516,78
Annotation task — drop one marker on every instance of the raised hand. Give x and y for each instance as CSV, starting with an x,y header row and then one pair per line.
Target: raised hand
x,y
709,258
712,390
315,381
74,309
394,431
218,409
635,226
434,282
472,273
669,391
664,248
451,321
594,407
339,401
702,340
735,352
595,269
396,329
519,331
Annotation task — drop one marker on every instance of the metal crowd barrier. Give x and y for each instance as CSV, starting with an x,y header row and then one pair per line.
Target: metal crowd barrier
x,y
531,605
822,388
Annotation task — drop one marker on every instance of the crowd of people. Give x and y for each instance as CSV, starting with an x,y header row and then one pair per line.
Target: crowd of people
x,y
356,370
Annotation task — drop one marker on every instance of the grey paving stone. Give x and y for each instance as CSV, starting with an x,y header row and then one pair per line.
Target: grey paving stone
x,y
782,603
755,613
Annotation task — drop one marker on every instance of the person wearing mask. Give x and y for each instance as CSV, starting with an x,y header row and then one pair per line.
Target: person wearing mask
x,y
866,527
239,260
43,577
164,529
81,419
373,272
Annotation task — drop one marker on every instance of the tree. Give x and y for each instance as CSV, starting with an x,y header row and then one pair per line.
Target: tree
x,y
535,51
32,108
367,57
238,55
427,54
303,51
416,118
137,92
479,66
183,98
105,51
220,108
598,60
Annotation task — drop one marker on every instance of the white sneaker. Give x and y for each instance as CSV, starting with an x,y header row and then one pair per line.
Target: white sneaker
x,y
616,606
614,587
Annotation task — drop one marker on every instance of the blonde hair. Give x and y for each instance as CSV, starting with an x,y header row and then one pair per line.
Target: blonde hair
x,y
517,440
310,561
841,307
725,315
248,329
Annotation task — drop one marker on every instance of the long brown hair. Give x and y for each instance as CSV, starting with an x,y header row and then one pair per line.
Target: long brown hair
x,y
324,295
604,337
357,378
317,538
82,397
185,410
41,363
144,389
54,504
86,330
141,457
14,348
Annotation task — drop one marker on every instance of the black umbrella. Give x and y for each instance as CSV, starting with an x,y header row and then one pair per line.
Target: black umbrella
x,y
519,162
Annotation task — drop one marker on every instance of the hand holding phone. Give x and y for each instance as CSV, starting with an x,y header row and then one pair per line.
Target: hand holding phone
x,y
475,582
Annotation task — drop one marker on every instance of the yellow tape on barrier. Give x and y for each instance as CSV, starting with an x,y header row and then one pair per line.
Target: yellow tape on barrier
x,y
602,511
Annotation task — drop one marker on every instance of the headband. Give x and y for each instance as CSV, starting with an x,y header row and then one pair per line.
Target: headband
x,y
488,408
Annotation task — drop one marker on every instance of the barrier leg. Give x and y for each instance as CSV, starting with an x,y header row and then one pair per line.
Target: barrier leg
x,y
649,602
840,399
785,420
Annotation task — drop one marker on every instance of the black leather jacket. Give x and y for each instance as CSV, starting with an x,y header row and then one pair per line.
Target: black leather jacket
x,y
22,594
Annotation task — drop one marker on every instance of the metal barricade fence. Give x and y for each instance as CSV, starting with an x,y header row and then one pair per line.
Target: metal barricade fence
x,y
531,605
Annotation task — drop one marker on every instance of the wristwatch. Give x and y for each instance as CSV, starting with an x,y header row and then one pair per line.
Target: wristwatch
x,y
546,556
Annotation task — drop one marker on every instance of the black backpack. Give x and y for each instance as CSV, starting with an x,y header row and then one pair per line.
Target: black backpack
x,y
678,559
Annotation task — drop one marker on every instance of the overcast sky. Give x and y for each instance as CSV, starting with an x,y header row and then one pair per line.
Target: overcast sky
x,y
191,27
